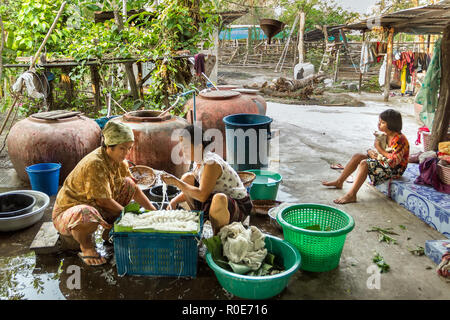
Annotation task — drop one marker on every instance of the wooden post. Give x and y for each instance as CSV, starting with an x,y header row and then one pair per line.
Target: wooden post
x,y
428,44
95,79
442,117
390,49
139,80
360,73
337,66
301,43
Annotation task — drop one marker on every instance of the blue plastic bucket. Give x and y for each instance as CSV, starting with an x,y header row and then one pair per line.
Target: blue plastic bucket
x,y
44,177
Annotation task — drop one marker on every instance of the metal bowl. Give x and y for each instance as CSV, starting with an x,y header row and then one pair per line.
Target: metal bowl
x,y
28,219
16,204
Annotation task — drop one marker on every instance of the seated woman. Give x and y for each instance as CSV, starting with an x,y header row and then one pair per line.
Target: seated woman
x,y
213,186
390,122
96,191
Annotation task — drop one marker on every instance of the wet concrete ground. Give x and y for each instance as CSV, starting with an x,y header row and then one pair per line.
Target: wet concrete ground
x,y
311,138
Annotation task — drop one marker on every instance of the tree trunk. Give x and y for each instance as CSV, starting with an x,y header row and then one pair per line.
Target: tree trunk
x,y
2,43
301,43
95,79
390,49
442,117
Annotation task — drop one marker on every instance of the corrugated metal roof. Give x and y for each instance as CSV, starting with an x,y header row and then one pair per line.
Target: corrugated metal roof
x,y
429,19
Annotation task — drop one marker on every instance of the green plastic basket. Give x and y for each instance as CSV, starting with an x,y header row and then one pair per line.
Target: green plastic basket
x,y
320,250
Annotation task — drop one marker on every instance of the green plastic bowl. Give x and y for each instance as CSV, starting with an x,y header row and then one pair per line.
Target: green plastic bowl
x,y
320,250
265,185
253,287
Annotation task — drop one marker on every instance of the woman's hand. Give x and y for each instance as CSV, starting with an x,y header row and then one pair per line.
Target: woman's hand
x,y
372,154
377,145
170,179
172,204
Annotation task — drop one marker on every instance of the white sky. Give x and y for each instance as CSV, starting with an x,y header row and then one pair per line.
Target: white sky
x,y
360,6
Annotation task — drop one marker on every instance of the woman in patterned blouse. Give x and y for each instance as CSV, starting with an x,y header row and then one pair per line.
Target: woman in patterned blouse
x,y
96,191
390,122
213,187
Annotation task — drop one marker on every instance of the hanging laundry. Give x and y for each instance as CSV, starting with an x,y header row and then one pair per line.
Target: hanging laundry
x,y
403,79
382,75
366,57
428,94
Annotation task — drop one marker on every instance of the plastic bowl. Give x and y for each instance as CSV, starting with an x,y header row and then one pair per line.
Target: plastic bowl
x,y
265,186
253,287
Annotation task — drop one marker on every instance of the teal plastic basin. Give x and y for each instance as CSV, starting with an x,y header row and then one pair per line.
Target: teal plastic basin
x,y
253,287
265,185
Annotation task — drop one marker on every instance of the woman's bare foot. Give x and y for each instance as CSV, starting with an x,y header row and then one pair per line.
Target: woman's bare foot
x,y
335,183
348,198
91,252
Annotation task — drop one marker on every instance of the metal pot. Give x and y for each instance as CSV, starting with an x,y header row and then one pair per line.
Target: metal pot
x,y
27,219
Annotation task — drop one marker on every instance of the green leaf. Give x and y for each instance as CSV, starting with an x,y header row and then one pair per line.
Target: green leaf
x,y
239,268
93,7
132,207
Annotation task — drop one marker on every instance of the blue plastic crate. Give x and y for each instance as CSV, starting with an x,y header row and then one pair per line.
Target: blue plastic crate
x,y
157,254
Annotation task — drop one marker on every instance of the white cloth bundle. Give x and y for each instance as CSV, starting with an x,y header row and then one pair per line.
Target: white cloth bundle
x,y
242,245
27,79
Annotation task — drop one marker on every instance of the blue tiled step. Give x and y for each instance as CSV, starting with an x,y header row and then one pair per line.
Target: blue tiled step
x,y
425,202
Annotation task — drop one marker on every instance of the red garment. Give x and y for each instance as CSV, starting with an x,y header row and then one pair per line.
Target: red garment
x,y
419,134
443,269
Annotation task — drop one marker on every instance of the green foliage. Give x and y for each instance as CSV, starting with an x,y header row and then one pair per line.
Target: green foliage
x,y
171,26
318,13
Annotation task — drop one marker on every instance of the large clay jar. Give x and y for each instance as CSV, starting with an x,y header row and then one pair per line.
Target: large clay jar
x,y
211,107
253,95
153,142
64,139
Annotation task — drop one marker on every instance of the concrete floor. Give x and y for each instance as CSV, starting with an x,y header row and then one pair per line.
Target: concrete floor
x,y
311,138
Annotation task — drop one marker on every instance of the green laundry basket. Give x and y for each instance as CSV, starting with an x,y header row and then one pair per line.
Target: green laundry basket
x,y
320,250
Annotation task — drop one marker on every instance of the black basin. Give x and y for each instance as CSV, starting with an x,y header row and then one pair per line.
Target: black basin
x,y
16,204
155,193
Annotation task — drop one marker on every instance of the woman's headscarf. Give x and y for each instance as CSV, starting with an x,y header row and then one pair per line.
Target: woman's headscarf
x,y
116,133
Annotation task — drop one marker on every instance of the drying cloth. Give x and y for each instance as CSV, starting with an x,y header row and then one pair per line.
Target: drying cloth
x,y
116,133
243,246
382,75
443,268
428,94
366,57
199,64
27,79
403,79
429,176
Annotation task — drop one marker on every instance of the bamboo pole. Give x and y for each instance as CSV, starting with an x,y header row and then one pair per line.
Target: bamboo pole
x,y
390,49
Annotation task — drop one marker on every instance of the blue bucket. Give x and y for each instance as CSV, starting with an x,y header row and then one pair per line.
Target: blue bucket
x,y
44,177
